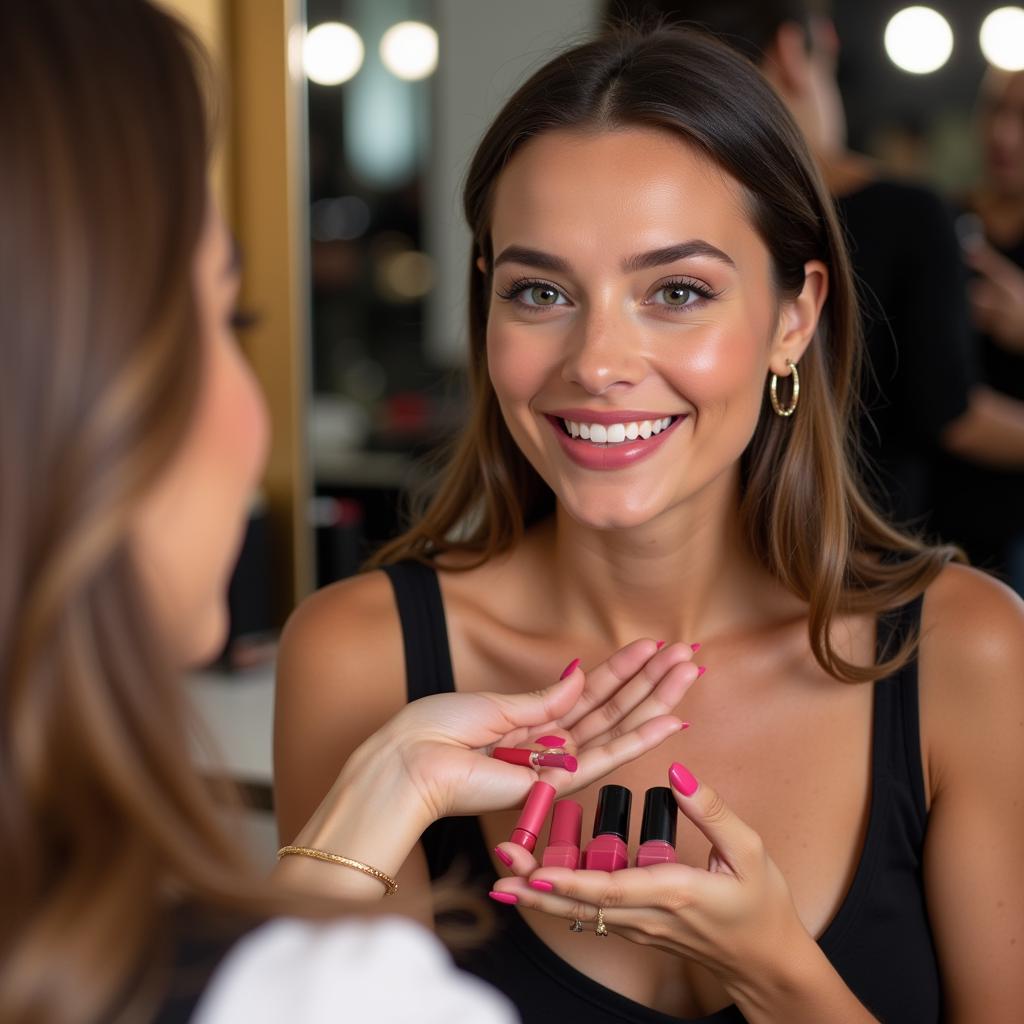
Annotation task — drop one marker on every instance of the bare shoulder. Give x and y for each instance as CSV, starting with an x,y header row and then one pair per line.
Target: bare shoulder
x,y
971,670
340,677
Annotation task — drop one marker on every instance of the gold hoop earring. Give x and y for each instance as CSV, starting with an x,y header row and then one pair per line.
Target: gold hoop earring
x,y
773,393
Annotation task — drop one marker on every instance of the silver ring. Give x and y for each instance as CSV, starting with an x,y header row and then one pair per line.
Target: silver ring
x,y
576,926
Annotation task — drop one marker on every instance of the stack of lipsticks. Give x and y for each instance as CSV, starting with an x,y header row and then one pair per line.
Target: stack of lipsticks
x,y
607,850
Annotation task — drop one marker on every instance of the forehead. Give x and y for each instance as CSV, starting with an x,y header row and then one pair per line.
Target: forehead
x,y
617,192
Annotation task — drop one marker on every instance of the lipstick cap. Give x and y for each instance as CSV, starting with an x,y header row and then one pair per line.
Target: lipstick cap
x,y
535,810
612,817
566,824
660,815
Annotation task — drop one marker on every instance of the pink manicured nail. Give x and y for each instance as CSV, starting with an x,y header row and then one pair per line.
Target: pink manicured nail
x,y
683,779
541,886
658,646
700,671
685,725
569,669
550,741
695,648
504,897
502,856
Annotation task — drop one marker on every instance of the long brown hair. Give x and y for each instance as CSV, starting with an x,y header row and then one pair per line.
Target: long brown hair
x,y
802,507
103,150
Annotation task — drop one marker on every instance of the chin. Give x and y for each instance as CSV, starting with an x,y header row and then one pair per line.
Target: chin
x,y
207,638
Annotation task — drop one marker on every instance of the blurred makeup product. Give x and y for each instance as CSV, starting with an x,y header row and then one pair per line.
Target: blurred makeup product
x,y
607,850
550,741
658,828
533,816
563,849
535,758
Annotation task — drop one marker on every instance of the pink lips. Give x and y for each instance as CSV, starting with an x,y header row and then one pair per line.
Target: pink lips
x,y
608,456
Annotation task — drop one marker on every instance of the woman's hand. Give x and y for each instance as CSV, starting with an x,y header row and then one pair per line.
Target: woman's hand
x,y
736,917
608,716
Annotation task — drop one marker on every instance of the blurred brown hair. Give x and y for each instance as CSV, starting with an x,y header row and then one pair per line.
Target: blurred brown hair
x,y
103,151
802,507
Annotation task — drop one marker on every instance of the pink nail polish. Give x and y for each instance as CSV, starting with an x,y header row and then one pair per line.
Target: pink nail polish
x,y
607,850
504,897
701,669
569,669
658,829
658,646
541,886
550,741
502,856
563,849
683,779
685,725
695,648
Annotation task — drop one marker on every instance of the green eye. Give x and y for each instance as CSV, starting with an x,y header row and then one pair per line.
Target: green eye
x,y
676,294
543,295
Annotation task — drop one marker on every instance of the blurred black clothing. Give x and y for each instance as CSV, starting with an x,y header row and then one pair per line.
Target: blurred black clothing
x,y
980,508
919,344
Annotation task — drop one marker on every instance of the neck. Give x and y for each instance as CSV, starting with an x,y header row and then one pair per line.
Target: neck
x,y
685,576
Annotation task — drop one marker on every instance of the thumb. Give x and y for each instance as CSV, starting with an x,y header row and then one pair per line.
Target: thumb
x,y
735,841
548,704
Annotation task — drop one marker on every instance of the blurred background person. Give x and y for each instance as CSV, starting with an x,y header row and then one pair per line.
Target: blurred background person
x,y
921,393
982,507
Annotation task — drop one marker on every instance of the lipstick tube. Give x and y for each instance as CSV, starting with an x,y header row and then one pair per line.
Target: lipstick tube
x,y
607,850
563,849
658,828
535,758
533,816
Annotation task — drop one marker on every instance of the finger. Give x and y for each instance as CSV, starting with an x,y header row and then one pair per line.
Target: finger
x,y
735,842
982,258
538,707
621,703
662,887
664,699
597,761
605,679
516,860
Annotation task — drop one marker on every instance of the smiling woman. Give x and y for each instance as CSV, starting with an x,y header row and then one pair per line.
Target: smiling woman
x,y
663,350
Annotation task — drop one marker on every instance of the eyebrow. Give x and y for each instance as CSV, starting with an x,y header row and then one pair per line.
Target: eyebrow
x,y
641,261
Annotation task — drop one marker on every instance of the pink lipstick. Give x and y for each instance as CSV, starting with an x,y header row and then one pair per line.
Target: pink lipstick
x,y
607,850
658,828
563,849
535,758
533,815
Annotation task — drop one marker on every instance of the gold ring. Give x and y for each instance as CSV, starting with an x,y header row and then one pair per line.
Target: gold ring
x,y
602,928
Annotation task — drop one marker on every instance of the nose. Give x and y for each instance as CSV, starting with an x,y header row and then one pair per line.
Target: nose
x,y
604,354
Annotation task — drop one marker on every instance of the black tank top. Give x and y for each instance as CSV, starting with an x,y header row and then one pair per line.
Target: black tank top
x,y
879,940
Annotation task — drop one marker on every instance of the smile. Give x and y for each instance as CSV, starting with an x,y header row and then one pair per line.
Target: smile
x,y
616,433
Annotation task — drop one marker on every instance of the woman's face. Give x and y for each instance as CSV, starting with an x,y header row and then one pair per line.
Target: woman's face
x,y
633,306
189,526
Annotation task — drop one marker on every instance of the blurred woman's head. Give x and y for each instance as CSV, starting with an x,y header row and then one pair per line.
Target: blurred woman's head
x,y
1002,127
131,437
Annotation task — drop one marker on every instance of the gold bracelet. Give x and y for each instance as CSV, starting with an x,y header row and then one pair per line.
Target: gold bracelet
x,y
390,885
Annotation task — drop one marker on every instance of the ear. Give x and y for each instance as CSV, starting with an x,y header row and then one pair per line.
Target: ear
x,y
481,265
788,60
798,319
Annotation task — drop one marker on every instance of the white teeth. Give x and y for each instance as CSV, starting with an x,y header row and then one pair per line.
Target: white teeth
x,y
616,433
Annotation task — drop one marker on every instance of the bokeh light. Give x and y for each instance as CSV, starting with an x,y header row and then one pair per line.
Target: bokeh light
x,y
1002,38
409,50
332,53
918,40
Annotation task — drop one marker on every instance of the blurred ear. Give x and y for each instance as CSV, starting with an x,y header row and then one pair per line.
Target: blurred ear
x,y
798,318
481,265
788,60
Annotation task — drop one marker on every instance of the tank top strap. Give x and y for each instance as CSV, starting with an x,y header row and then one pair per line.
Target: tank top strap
x,y
428,661
896,746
